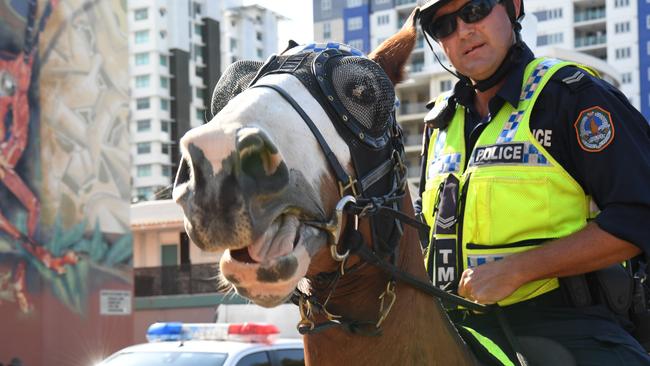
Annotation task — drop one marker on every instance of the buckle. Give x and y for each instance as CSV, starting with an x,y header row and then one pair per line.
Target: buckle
x,y
352,185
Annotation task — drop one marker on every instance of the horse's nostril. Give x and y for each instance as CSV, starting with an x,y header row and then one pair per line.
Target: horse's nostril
x,y
183,174
258,157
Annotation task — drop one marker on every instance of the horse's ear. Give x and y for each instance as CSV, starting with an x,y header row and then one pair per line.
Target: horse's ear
x,y
393,53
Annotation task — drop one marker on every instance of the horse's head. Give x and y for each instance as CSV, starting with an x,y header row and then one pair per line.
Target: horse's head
x,y
255,178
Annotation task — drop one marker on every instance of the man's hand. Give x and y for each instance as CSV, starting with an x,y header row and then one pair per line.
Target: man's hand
x,y
587,250
488,283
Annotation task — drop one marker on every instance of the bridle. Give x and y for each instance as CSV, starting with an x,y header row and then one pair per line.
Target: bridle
x,y
357,202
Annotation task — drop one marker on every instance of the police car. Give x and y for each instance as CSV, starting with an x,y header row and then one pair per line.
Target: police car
x,y
211,344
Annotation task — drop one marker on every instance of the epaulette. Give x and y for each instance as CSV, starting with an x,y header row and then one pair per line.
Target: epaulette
x,y
574,78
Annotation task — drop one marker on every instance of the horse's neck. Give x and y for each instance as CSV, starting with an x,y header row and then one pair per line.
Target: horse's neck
x,y
416,332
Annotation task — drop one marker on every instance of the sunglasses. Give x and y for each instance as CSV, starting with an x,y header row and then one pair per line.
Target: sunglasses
x,y
472,12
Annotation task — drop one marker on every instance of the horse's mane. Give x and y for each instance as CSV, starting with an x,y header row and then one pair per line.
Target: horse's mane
x,y
397,47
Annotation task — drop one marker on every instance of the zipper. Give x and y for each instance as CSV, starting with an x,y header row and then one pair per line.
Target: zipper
x,y
519,244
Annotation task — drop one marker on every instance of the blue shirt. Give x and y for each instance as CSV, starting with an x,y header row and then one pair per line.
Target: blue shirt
x,y
618,176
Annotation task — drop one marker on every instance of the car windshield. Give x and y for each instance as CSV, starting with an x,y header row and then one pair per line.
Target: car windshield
x,y
167,359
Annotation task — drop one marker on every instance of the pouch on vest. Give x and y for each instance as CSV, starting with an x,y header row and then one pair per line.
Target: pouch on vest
x,y
616,287
445,249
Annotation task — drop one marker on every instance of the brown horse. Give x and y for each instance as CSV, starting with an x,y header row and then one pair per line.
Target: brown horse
x,y
252,182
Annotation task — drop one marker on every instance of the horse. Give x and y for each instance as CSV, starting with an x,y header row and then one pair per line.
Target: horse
x,y
260,183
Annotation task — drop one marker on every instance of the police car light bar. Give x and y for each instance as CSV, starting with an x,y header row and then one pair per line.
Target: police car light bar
x,y
242,332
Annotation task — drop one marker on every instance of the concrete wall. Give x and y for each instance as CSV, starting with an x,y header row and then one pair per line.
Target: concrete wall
x,y
65,240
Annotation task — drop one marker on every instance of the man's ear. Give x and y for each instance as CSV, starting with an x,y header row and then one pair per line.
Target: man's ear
x,y
517,5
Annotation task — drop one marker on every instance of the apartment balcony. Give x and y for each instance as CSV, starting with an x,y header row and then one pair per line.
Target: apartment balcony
x,y
589,15
591,41
407,108
176,280
400,3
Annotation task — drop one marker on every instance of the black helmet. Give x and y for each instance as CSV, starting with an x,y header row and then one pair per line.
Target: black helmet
x,y
429,8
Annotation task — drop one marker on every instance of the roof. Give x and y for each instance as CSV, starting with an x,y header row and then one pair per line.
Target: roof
x,y
156,215
210,346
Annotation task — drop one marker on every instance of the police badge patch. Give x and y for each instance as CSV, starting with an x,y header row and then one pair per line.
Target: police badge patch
x,y
594,129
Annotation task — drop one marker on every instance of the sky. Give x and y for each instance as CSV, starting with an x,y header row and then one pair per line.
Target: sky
x,y
299,25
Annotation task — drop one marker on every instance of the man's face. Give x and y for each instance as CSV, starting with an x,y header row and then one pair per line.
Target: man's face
x,y
476,50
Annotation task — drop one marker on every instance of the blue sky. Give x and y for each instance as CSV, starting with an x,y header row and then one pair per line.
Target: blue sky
x,y
299,26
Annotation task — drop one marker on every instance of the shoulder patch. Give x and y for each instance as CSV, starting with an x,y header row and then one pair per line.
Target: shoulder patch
x,y
594,129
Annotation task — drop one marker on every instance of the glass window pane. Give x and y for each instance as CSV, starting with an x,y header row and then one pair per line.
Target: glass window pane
x,y
143,125
141,37
291,357
142,103
255,359
141,14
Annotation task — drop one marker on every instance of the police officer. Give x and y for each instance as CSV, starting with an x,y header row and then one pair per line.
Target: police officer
x,y
534,169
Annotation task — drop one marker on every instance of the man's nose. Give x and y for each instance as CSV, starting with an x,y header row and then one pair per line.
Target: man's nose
x,y
464,29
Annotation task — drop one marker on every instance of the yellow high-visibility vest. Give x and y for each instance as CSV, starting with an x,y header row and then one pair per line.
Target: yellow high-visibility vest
x,y
512,195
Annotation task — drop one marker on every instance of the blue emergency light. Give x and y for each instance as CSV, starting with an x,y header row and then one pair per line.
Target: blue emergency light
x,y
243,332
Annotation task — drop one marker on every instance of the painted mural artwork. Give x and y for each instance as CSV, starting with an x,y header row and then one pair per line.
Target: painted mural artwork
x,y
64,154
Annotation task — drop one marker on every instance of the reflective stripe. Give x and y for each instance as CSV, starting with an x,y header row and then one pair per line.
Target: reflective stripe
x,y
491,347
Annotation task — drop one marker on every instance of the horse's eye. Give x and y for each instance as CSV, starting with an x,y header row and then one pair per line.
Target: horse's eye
x,y
7,84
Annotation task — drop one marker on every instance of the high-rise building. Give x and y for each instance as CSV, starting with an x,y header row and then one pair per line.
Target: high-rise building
x,y
177,51
569,30
643,23
615,31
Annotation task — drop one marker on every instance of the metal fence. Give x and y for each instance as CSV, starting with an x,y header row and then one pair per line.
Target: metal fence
x,y
176,280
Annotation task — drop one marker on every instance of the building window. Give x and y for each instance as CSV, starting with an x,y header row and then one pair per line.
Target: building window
x,y
144,193
166,171
141,59
164,104
622,27
626,78
200,114
200,93
326,5
621,3
165,126
354,3
327,31
197,9
142,81
355,23
647,21
163,60
143,148
259,36
164,82
141,37
549,14
445,85
356,43
143,170
622,53
142,103
383,19
233,59
141,14
143,125
197,29
260,53
233,44
164,149
548,39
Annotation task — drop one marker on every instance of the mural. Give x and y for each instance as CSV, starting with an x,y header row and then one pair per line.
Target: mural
x,y
64,171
